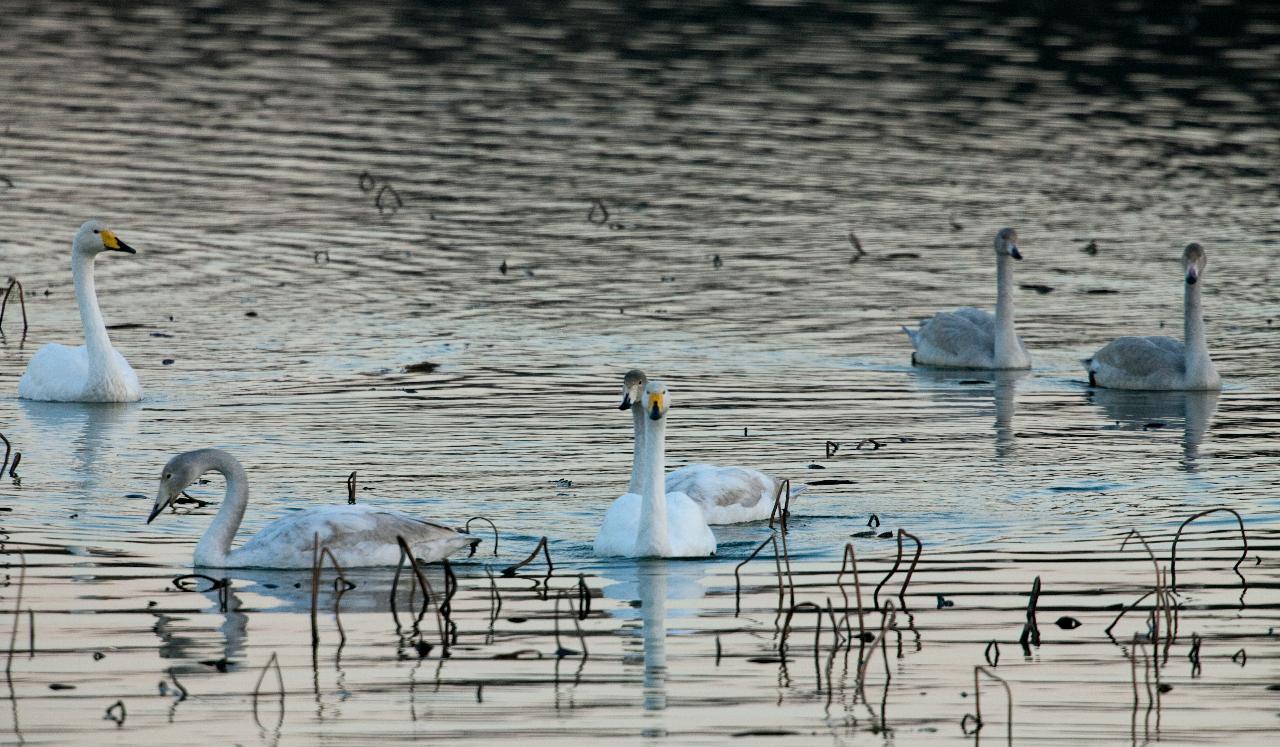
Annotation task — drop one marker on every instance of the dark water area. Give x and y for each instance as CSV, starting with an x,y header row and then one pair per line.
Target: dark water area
x,y
536,198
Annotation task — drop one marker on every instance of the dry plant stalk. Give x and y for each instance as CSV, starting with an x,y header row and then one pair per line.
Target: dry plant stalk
x,y
257,688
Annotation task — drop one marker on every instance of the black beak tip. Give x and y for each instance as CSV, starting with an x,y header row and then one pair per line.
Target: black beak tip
x,y
1191,280
626,402
655,413
1015,253
123,247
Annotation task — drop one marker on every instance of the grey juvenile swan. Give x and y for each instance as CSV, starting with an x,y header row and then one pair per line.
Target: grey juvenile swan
x,y
1163,363
356,535
973,338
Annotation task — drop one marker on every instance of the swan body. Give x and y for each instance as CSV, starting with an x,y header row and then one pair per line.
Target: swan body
x,y
648,521
95,371
726,495
1162,363
358,536
973,338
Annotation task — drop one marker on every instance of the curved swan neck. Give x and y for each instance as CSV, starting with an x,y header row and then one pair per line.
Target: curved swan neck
x,y
637,427
652,539
1199,367
96,341
215,545
1006,341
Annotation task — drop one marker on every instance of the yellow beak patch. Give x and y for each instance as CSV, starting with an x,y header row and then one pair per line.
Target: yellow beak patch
x,y
109,239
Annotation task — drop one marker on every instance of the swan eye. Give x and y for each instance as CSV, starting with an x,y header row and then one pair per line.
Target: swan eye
x,y
96,231
167,475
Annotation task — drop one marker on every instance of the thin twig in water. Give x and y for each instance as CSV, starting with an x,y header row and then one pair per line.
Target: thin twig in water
x,y
466,529
977,701
22,301
428,596
351,488
1173,553
257,688
7,449
17,610
317,566
817,635
116,712
851,561
1031,629
781,510
542,545
737,579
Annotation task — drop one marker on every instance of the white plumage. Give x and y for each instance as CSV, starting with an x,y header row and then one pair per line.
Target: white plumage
x,y
95,371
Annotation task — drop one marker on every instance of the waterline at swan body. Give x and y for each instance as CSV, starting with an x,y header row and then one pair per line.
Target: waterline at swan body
x,y
95,371
358,536
1163,363
726,495
653,522
973,338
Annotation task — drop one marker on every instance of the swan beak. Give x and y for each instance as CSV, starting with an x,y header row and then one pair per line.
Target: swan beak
x,y
1192,275
161,505
626,401
1013,251
114,244
655,407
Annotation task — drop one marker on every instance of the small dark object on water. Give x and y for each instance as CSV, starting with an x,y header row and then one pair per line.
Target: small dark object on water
x,y
716,262
831,481
868,533
1031,630
60,686
832,448
816,466
562,483
219,664
366,181
874,521
517,619
99,656
973,382
1091,248
161,334
423,648
1165,687
885,535
599,214
744,431
902,255
322,253
1240,657
351,488
167,362
955,225
116,713
766,660
1067,623
251,313
388,208
423,367
502,268
1101,291
874,444
1041,289
857,247
992,647
944,602
1153,426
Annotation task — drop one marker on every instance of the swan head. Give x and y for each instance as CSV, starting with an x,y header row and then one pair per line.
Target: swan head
x,y
1006,242
178,473
655,400
632,388
94,238
1193,261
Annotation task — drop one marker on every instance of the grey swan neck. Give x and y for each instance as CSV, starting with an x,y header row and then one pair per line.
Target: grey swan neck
x,y
637,427
1200,372
653,539
215,546
1007,352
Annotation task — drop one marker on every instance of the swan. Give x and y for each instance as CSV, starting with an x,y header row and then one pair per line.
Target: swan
x,y
653,522
726,495
95,371
1162,363
973,338
358,536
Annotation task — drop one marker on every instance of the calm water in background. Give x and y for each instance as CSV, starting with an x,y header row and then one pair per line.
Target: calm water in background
x,y
355,176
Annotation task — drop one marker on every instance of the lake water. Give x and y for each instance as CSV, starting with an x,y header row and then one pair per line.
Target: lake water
x,y
537,199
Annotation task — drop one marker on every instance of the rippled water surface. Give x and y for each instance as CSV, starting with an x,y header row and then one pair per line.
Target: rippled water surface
x,y
536,198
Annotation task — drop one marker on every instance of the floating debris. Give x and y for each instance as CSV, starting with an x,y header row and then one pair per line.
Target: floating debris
x,y
423,367
1091,248
1041,289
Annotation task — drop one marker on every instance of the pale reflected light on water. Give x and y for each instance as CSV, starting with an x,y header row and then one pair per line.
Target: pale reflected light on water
x,y
536,198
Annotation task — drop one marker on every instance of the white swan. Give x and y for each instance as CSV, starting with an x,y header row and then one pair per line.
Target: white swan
x,y
973,338
1162,363
726,495
95,371
356,535
654,523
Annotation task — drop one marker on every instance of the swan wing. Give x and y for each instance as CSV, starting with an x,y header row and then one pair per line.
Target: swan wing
x,y
964,338
56,373
1138,363
726,495
358,536
617,535
687,528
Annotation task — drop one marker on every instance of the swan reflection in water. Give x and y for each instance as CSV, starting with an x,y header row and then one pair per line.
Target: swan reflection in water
x,y
93,431
652,582
1153,411
964,386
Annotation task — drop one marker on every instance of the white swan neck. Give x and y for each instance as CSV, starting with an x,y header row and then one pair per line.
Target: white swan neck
x,y
1199,366
652,539
637,426
96,341
215,545
1007,350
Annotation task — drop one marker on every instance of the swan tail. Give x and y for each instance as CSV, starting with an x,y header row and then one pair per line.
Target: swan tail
x,y
913,335
799,490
